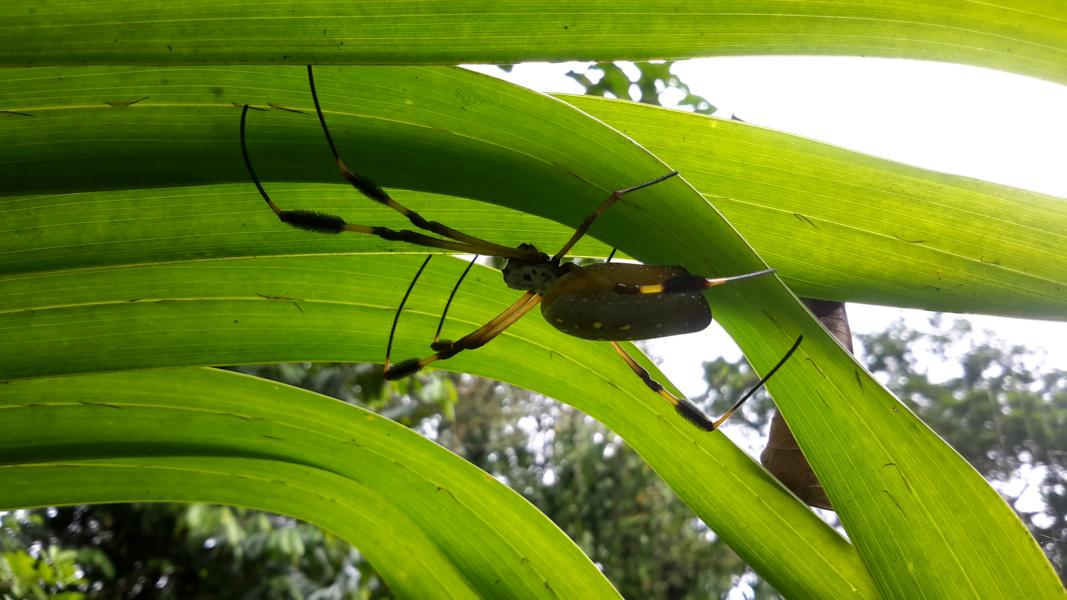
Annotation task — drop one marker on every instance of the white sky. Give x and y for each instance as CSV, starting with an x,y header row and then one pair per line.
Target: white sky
x,y
977,122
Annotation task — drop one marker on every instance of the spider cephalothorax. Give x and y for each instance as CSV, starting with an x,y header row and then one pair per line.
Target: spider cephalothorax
x,y
535,275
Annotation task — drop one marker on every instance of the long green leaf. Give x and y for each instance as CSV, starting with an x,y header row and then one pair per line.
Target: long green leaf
x,y
1028,36
180,276
415,568
844,226
923,521
838,225
430,522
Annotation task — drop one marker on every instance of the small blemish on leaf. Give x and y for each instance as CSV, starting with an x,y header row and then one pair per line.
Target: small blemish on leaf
x,y
805,219
125,103
284,108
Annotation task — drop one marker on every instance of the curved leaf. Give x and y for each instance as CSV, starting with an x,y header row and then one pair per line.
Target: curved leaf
x,y
431,523
843,226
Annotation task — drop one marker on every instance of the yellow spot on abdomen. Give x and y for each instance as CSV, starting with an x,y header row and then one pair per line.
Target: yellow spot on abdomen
x,y
597,324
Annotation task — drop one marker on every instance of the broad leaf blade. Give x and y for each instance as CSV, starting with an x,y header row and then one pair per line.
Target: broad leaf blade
x,y
844,226
430,522
1027,37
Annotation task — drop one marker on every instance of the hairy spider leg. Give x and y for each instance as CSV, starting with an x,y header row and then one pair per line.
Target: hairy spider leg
x,y
687,409
477,338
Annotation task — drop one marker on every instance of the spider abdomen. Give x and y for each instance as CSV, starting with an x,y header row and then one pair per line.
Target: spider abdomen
x,y
586,303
